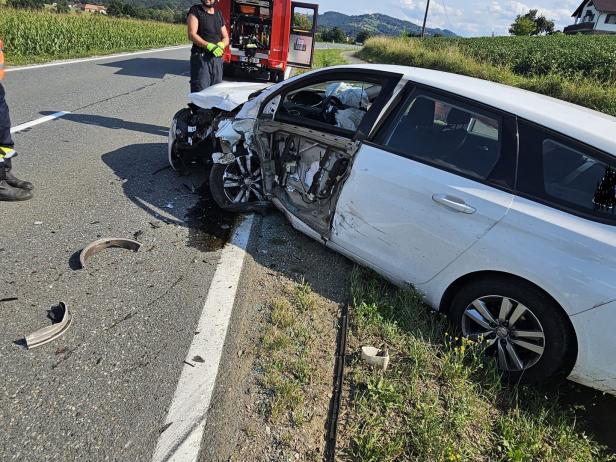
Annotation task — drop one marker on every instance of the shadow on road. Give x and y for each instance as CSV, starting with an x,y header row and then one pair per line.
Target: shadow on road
x,y
113,123
170,198
150,184
154,68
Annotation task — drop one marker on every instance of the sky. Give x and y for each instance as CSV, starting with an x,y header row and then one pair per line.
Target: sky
x,y
464,17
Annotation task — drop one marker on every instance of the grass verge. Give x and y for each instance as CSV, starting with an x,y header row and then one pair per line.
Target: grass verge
x,y
440,400
38,36
451,58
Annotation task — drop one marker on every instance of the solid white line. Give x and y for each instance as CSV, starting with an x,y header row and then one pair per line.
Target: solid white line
x,y
96,58
22,127
181,441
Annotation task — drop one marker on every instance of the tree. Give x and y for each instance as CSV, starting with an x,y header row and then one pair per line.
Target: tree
x,y
62,6
362,36
31,4
531,24
334,35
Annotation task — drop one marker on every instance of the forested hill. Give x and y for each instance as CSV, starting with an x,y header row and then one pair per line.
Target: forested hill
x,y
374,24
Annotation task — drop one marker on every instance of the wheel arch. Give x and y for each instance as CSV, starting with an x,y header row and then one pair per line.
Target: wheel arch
x,y
466,279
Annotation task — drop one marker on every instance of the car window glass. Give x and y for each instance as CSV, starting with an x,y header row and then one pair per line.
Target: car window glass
x,y
575,178
448,134
340,103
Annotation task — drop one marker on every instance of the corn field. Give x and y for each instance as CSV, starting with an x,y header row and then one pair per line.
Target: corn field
x,y
34,36
569,56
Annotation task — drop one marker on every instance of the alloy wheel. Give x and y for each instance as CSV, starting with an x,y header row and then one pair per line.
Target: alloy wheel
x,y
242,180
510,330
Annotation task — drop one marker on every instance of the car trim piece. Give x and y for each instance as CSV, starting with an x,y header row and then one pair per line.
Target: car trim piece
x,y
96,246
49,333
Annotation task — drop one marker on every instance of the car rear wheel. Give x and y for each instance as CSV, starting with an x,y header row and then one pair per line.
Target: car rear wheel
x,y
238,183
524,330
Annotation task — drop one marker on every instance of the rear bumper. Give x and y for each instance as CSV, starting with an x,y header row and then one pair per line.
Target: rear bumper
x,y
596,362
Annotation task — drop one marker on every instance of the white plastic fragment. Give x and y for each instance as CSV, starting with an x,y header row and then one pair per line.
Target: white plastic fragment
x,y
375,357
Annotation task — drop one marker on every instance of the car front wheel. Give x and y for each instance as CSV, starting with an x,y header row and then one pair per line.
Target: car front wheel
x,y
237,184
524,330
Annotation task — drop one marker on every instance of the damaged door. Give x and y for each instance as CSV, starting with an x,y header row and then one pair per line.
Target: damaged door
x,y
307,135
435,179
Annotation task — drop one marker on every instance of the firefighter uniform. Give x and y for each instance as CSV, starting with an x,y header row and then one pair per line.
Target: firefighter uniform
x,y
11,188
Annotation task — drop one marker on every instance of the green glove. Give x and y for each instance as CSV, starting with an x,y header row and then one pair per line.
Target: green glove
x,y
215,50
221,45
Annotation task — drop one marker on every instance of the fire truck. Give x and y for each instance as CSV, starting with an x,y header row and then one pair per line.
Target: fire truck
x,y
268,37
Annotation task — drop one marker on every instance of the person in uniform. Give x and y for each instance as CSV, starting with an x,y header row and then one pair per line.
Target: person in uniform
x,y
11,188
208,33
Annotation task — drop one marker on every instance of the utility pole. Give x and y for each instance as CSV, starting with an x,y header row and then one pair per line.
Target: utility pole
x,y
423,29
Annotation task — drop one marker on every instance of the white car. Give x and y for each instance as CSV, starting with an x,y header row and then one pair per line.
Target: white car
x,y
498,204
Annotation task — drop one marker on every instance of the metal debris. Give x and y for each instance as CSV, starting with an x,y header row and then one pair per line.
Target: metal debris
x,y
49,333
102,244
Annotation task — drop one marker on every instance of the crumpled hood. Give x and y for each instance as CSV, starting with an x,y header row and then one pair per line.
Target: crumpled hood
x,y
226,96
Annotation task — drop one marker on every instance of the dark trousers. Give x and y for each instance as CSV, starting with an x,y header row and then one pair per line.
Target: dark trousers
x,y
205,71
5,122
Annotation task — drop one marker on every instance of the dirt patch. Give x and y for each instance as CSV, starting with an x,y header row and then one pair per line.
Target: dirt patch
x,y
274,393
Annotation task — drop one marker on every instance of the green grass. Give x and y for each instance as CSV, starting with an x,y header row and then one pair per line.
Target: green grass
x,y
287,342
39,36
452,57
441,400
327,58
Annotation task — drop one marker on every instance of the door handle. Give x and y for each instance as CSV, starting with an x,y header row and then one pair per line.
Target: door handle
x,y
453,203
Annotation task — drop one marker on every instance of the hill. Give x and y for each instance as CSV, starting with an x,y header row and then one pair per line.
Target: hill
x,y
377,24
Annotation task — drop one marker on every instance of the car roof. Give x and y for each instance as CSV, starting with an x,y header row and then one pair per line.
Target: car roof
x,y
591,127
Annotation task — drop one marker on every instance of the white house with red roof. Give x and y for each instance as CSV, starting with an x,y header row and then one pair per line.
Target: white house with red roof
x,y
594,17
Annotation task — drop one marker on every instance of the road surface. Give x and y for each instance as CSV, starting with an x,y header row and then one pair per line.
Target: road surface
x,y
101,391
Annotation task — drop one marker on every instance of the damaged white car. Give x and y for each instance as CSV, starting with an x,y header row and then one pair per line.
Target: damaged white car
x,y
496,203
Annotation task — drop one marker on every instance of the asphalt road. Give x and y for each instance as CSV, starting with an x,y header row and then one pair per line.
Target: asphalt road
x,y
102,390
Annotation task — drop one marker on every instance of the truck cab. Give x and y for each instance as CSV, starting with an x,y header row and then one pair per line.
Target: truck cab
x,y
268,37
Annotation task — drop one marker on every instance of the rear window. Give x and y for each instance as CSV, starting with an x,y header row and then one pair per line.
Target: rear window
x,y
567,174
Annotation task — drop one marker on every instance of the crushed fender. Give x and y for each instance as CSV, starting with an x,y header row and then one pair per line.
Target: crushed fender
x,y
63,319
96,246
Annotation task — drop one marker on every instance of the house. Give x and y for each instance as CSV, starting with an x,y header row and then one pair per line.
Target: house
x,y
594,17
90,8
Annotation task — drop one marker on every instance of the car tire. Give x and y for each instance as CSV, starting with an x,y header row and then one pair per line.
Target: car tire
x,y
173,154
253,192
517,314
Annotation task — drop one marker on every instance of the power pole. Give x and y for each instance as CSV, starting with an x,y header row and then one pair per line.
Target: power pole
x,y
423,29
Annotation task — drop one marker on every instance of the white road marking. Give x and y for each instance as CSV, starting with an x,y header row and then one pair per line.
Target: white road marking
x,y
19,128
181,441
96,58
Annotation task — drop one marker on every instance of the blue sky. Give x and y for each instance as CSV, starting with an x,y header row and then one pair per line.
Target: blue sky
x,y
465,17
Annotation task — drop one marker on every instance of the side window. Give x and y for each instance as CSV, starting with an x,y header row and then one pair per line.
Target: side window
x,y
338,103
567,174
447,134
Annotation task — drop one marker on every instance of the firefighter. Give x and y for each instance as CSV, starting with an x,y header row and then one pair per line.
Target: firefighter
x,y
11,188
207,31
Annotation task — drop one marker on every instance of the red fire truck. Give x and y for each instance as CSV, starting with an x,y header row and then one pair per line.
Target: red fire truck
x,y
269,36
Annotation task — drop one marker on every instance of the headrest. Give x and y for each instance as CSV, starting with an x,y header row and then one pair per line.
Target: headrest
x,y
421,113
458,117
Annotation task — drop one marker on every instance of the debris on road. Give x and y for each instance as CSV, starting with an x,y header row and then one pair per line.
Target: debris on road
x,y
8,299
102,244
62,317
375,357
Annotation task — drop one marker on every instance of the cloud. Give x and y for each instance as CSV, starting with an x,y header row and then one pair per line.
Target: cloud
x,y
465,17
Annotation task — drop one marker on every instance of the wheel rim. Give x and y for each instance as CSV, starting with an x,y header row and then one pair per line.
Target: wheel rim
x,y
511,331
242,179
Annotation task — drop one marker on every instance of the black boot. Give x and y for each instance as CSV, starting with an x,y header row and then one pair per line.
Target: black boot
x,y
8,192
12,180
